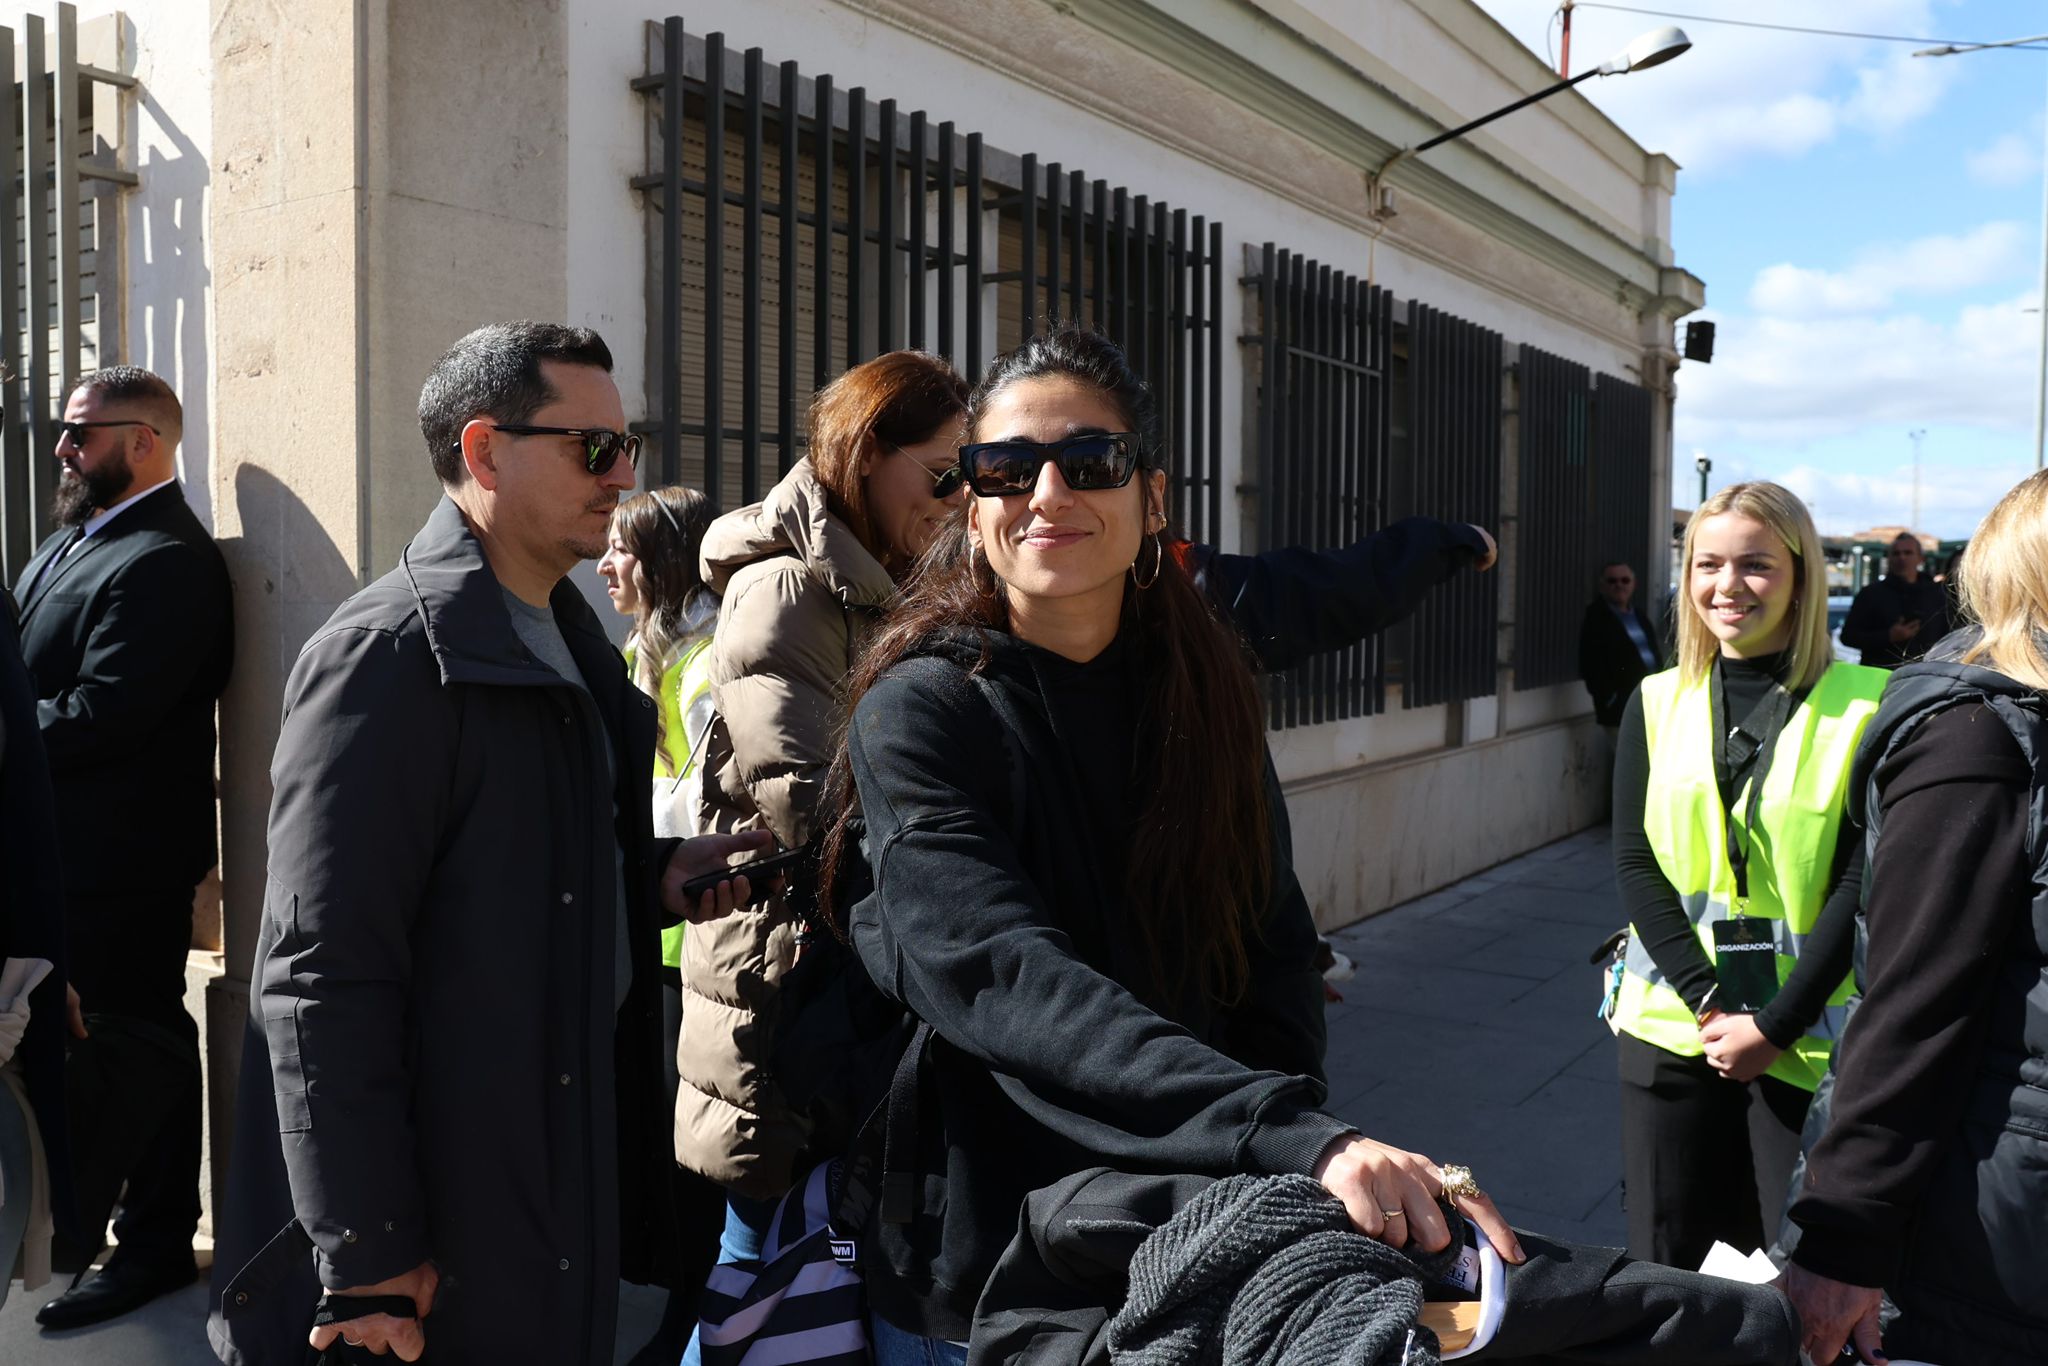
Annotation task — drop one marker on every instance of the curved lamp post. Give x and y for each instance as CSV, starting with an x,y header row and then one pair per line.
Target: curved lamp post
x,y
1652,49
2041,375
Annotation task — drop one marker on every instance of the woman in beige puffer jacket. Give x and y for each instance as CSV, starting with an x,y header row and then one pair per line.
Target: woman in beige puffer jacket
x,y
804,577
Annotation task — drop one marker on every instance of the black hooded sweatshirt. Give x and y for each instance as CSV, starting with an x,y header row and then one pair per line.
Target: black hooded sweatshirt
x,y
1055,1050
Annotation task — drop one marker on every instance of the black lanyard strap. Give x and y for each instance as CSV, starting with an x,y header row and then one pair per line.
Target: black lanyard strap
x,y
1745,751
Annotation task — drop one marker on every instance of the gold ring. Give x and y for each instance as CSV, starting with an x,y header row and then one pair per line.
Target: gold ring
x,y
1458,1182
1394,1213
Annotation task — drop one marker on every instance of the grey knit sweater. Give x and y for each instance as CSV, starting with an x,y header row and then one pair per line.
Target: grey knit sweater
x,y
1268,1271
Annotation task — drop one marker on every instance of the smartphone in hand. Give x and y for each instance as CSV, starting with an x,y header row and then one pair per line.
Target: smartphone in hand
x,y
764,875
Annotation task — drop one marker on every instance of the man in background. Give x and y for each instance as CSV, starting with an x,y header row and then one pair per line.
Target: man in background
x,y
1899,618
1618,647
127,630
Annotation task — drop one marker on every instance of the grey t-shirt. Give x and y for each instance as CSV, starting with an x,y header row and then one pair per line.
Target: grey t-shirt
x,y
537,630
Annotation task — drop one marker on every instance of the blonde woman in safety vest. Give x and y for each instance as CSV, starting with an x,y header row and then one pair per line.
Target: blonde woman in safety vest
x,y
651,574
1731,777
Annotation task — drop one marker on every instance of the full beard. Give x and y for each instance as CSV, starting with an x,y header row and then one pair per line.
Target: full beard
x,y
81,493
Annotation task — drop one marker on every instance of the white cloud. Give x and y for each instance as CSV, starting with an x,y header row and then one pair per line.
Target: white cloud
x,y
1788,379
1878,275
1953,497
1743,93
2013,159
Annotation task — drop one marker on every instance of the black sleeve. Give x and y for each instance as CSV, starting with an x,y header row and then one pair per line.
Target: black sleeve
x,y
160,627
1647,896
1824,959
1278,1025
957,931
360,801
1867,627
1589,660
1295,602
1949,888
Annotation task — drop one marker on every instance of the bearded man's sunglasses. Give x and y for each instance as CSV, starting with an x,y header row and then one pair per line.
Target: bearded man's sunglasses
x,y
602,447
1094,460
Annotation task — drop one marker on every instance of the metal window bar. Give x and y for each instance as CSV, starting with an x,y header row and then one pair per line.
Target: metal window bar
x,y
1624,458
1323,437
1553,399
1014,242
58,258
1455,421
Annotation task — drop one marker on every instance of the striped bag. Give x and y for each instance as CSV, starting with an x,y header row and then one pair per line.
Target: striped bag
x,y
801,1303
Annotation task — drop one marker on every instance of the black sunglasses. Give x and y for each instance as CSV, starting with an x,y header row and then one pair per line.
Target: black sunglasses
x,y
1094,460
77,430
945,482
602,447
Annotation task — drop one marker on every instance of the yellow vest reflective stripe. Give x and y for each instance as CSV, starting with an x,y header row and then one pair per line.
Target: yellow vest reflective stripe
x,y
1791,853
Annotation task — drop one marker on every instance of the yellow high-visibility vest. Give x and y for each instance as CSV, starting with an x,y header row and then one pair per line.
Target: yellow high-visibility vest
x,y
686,709
1791,852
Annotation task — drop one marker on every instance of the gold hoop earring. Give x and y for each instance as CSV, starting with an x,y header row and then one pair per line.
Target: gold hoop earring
x,y
987,594
1158,560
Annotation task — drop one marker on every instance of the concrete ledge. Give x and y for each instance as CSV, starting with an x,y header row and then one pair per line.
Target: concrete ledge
x,y
1372,837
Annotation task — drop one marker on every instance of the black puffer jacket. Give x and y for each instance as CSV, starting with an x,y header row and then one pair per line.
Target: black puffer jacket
x,y
1052,1054
1932,1174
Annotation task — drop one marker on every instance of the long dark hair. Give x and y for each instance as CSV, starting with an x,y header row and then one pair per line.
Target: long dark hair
x,y
1198,877
663,528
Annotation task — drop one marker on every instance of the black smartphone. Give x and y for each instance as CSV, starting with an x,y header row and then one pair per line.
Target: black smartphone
x,y
761,875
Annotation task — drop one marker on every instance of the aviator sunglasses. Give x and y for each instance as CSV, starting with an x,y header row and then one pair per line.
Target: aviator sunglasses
x,y
602,447
1093,460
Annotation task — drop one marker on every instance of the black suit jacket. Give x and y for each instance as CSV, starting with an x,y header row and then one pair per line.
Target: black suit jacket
x,y
129,639
1609,661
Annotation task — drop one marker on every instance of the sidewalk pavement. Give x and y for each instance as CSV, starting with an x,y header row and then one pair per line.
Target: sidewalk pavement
x,y
1467,1035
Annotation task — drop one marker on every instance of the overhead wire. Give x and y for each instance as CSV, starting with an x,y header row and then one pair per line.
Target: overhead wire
x,y
1797,28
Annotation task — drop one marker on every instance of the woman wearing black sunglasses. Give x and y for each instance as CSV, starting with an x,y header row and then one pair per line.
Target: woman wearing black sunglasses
x,y
1110,945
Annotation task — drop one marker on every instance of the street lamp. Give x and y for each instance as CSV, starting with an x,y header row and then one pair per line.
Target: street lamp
x,y
1705,467
1652,49
2041,375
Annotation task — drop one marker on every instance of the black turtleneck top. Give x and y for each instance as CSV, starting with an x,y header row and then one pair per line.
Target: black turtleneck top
x,y
1652,905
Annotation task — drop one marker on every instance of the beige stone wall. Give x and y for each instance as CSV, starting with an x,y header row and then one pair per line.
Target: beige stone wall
x,y
386,176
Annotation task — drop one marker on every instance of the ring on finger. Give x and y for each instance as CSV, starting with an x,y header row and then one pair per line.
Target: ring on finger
x,y
1458,1183
1395,1213
353,1342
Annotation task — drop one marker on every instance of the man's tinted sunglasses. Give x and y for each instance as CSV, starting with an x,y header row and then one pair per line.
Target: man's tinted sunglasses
x,y
1097,460
602,447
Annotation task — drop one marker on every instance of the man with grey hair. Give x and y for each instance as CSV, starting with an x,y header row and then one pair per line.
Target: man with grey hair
x,y
452,1119
127,628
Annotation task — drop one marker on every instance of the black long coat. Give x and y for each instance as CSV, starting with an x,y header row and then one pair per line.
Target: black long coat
x,y
434,1066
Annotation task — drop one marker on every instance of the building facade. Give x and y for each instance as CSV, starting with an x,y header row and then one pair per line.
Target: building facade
x,y
303,204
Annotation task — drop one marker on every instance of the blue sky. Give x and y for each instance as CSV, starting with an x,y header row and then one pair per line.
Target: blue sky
x,y
1869,228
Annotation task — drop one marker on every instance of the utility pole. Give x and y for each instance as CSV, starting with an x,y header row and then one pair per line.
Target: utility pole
x,y
1918,434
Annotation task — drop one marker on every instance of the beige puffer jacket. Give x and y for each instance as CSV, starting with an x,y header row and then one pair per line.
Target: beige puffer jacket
x,y
800,595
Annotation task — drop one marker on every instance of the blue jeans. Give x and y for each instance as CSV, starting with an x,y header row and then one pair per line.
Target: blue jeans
x,y
894,1347
746,1228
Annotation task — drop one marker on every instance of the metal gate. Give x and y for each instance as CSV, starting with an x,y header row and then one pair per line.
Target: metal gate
x,y
796,229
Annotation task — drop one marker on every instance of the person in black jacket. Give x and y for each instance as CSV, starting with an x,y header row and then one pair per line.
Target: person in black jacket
x,y
31,929
127,629
1929,1180
1900,617
451,1095
1110,944
1618,646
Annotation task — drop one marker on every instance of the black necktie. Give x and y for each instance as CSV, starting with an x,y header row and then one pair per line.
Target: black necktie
x,y
50,565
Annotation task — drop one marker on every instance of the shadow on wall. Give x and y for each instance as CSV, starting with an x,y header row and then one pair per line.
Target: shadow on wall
x,y
172,279
289,576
